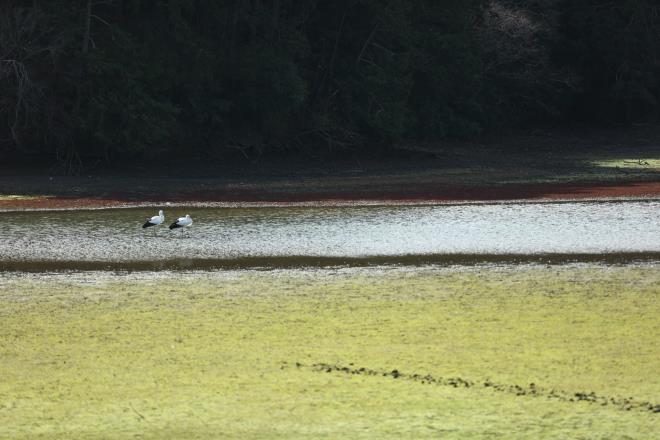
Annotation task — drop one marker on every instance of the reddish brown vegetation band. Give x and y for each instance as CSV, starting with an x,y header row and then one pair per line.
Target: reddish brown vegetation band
x,y
408,194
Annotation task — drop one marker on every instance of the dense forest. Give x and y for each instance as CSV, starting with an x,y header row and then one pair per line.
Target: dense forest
x,y
98,81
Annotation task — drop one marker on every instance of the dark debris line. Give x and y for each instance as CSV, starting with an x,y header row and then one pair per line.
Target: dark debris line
x,y
533,390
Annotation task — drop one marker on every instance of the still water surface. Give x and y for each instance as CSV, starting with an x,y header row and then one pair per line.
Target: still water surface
x,y
116,235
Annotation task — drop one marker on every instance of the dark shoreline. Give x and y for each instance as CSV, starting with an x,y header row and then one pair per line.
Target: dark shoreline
x,y
366,193
292,262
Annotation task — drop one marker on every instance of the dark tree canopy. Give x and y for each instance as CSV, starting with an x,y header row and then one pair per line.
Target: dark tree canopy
x,y
100,80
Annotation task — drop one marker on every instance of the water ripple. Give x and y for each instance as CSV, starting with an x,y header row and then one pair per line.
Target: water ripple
x,y
334,232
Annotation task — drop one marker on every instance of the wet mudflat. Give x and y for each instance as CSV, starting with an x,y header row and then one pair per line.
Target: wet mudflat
x,y
487,351
260,234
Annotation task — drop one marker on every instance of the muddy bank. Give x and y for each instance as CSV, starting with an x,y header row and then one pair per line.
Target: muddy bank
x,y
314,194
553,165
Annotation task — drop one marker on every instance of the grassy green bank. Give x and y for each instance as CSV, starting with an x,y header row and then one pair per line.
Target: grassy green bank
x,y
213,355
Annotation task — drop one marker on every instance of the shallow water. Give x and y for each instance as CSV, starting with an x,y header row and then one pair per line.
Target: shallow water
x,y
116,235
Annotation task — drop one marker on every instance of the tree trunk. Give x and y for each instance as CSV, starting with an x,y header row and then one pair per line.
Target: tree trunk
x,y
88,27
275,20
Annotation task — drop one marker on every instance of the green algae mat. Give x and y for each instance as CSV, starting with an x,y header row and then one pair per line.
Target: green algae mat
x,y
478,352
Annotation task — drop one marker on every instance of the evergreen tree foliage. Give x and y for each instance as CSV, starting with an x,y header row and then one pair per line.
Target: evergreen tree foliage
x,y
89,81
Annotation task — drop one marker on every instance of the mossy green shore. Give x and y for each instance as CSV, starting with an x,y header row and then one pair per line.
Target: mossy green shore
x,y
301,354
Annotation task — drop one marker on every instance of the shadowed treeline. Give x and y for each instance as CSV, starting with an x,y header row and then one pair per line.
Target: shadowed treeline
x,y
85,82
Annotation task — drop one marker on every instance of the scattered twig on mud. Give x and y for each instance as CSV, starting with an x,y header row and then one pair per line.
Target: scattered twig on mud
x,y
136,411
637,162
533,390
